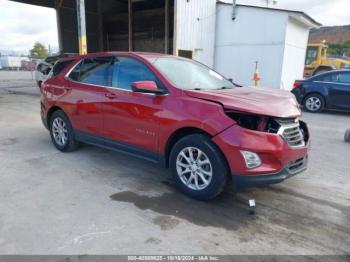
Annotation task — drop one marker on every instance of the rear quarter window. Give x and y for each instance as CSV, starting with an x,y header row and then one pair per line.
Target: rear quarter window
x,y
324,78
59,67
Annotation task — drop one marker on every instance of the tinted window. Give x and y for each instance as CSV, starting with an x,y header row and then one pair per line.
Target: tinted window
x,y
311,55
343,78
95,71
325,77
60,66
128,70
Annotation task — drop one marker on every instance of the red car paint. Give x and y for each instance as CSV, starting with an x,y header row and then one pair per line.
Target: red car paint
x,y
149,121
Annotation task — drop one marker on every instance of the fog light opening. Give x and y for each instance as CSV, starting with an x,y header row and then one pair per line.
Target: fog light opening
x,y
252,160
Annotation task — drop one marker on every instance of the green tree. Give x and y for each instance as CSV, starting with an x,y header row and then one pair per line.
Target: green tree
x,y
38,51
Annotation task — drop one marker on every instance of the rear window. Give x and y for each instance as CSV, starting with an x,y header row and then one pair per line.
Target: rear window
x,y
95,71
326,78
59,67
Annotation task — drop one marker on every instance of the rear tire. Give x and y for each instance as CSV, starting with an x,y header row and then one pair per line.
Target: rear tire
x,y
347,136
314,103
198,167
62,133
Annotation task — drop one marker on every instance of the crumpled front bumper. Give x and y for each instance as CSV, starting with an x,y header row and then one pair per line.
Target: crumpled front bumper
x,y
241,182
279,160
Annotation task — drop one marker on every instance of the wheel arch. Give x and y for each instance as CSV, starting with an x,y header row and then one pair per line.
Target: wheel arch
x,y
177,135
182,132
50,112
185,131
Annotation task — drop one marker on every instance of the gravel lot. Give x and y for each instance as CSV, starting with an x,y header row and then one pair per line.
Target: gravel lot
x,y
94,201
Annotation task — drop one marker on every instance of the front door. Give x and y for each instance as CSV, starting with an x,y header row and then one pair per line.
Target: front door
x,y
340,90
132,118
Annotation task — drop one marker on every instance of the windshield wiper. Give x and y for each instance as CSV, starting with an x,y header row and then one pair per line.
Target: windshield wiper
x,y
226,87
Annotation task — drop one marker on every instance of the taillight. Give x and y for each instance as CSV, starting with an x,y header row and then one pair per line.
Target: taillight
x,y
296,84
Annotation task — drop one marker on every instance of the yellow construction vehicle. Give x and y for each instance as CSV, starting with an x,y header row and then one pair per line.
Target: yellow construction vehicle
x,y
317,60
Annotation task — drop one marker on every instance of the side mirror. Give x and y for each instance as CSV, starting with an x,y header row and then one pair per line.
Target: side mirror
x,y
149,87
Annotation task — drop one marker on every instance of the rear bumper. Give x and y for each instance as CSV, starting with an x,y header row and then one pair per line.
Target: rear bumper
x,y
299,95
241,182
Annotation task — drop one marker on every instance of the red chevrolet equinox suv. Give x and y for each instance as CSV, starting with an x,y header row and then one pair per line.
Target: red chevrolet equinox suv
x,y
178,113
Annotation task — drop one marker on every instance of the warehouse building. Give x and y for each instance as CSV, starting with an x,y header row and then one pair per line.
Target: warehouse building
x,y
220,34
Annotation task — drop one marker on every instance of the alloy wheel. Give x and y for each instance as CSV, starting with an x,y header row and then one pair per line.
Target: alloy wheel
x,y
313,103
59,131
194,168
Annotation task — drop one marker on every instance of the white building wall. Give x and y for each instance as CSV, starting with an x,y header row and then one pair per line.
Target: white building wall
x,y
297,35
195,28
255,35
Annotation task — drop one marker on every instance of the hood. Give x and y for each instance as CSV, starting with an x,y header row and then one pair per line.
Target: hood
x,y
254,100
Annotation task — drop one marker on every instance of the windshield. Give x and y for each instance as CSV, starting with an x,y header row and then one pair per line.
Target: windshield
x,y
188,74
311,55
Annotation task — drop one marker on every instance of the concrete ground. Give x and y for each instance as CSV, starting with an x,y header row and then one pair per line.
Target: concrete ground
x,y
94,201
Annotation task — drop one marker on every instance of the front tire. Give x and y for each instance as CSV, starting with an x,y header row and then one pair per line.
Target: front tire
x,y
61,131
198,167
314,103
347,136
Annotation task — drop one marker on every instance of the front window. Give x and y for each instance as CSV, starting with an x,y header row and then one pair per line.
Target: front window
x,y
128,70
343,78
311,55
188,74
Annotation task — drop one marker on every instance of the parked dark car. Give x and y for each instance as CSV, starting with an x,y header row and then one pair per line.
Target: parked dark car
x,y
329,90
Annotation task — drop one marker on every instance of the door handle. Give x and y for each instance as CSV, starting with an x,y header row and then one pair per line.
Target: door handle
x,y
111,95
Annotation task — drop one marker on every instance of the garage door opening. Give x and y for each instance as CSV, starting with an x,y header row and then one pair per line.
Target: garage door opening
x,y
138,25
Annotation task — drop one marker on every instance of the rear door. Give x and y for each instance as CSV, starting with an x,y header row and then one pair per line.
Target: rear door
x,y
88,82
339,90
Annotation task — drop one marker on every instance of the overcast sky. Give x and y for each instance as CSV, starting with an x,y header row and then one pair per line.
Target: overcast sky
x,y
21,25
327,12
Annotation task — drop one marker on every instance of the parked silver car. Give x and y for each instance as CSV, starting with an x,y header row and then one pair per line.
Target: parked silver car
x,y
41,72
44,67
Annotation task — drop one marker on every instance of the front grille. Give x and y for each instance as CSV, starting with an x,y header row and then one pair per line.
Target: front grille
x,y
292,133
297,165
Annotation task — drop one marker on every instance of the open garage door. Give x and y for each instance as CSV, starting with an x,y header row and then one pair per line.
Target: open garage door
x,y
138,25
115,25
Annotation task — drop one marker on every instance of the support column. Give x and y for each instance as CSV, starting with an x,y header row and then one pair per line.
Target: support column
x,y
58,5
81,26
130,25
100,26
166,29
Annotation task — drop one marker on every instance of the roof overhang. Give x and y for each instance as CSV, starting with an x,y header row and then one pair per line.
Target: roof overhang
x,y
300,16
305,20
44,3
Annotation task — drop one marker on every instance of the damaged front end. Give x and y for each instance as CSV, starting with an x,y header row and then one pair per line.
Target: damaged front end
x,y
292,130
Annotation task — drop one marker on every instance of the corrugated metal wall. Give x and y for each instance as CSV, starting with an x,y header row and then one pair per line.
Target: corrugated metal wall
x,y
195,28
255,35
